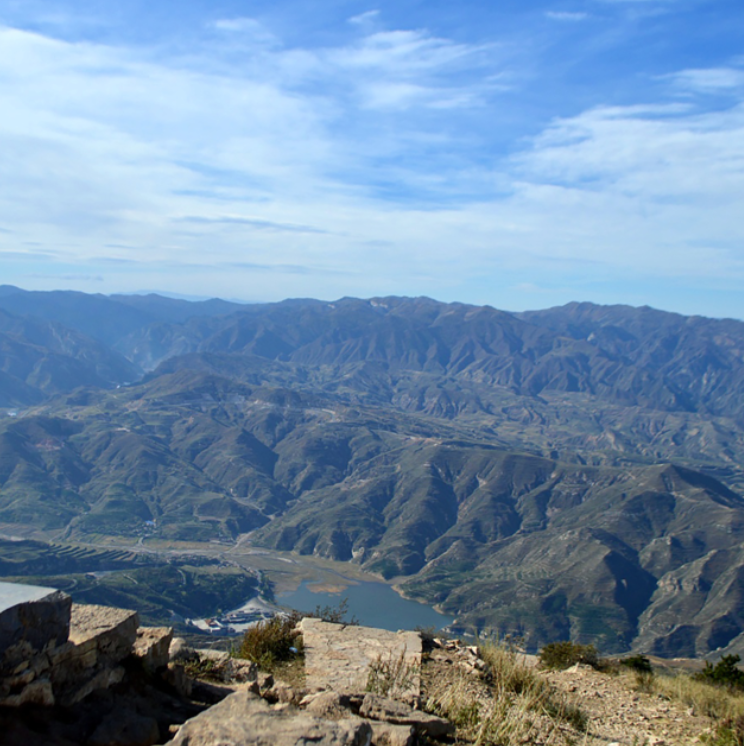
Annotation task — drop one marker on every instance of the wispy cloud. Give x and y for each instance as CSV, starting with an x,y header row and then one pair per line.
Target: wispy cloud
x,y
250,223
713,80
565,15
388,160
66,277
365,18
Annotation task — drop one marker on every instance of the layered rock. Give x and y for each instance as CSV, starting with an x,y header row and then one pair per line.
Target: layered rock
x,y
246,719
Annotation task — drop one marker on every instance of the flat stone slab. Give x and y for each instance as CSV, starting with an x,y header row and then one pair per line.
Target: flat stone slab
x,y
109,631
349,659
32,615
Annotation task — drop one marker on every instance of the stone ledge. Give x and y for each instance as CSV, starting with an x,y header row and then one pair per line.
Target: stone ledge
x,y
340,657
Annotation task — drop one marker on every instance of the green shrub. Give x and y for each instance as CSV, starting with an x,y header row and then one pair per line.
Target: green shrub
x,y
724,673
728,733
564,654
271,642
638,663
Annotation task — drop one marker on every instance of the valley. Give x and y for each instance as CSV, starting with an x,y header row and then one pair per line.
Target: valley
x,y
571,473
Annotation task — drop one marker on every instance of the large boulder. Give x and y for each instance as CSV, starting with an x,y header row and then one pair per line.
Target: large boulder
x,y
244,718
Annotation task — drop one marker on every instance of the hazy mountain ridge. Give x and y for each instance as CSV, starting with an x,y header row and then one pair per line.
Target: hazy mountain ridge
x,y
39,358
632,356
514,470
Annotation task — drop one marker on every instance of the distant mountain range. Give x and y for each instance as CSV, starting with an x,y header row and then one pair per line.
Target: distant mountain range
x,y
574,472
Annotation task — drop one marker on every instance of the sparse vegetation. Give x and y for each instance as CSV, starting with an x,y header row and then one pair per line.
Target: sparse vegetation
x,y
727,733
638,663
201,668
511,705
272,642
564,654
704,698
392,677
725,673
335,614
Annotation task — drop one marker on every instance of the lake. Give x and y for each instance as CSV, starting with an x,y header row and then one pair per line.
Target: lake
x,y
373,605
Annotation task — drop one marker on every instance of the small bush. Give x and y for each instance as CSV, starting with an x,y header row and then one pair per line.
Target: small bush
x,y
638,663
335,614
724,673
202,668
428,635
561,655
271,642
644,682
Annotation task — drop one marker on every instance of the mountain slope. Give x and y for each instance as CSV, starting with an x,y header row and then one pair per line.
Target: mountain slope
x,y
39,358
570,472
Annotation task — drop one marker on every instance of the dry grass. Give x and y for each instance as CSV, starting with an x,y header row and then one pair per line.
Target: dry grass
x,y
392,677
514,705
716,702
724,705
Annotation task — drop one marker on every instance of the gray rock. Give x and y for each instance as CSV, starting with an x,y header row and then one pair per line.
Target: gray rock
x,y
77,690
325,705
387,734
32,619
180,652
397,713
342,658
111,632
240,670
265,680
38,692
281,692
151,647
245,719
218,657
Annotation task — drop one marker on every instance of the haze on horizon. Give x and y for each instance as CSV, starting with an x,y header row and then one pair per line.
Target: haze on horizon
x,y
511,154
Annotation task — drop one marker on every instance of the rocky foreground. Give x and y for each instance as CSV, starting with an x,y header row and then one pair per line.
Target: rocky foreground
x,y
113,683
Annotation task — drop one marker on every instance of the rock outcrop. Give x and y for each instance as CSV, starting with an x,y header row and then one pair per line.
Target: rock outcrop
x,y
348,658
126,685
245,719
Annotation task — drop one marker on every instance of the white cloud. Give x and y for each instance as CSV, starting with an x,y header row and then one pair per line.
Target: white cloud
x,y
245,31
310,163
653,188
563,15
365,18
712,80
236,24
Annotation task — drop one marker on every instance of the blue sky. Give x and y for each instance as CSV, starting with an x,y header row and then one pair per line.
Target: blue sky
x,y
517,154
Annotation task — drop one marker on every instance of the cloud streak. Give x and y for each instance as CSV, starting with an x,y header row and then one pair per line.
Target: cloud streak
x,y
393,160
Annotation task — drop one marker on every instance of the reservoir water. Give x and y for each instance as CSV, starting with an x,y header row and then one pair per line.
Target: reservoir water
x,y
373,605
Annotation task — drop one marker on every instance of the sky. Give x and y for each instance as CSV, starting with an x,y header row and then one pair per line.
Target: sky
x,y
516,153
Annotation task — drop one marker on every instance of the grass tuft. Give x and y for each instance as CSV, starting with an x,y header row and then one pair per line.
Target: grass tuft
x,y
271,642
511,705
392,677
